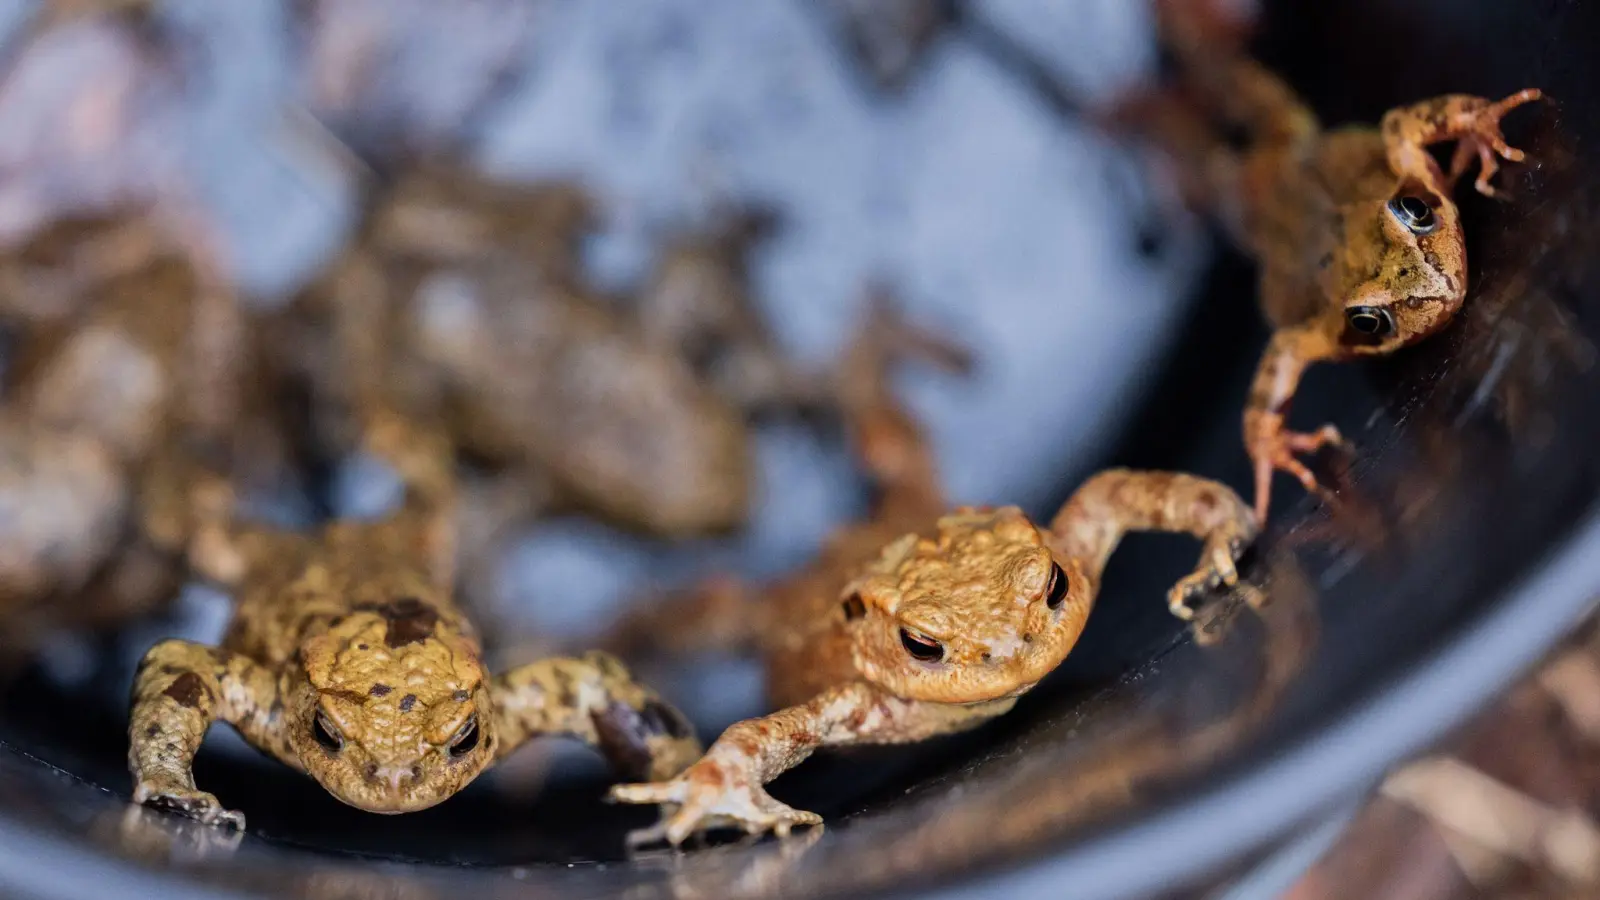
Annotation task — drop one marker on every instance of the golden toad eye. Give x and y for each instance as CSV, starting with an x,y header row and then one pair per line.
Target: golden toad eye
x,y
466,739
326,733
1370,320
925,649
1414,213
1058,587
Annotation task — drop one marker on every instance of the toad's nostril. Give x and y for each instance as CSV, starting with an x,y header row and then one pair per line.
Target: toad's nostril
x,y
372,771
389,777
416,773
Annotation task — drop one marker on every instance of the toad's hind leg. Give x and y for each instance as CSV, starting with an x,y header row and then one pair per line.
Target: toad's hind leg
x,y
594,698
891,446
180,689
422,454
1221,88
720,614
220,547
1243,91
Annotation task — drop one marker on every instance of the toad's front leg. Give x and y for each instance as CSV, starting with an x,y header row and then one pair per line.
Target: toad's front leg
x,y
725,788
1271,446
180,689
1091,524
1474,121
594,699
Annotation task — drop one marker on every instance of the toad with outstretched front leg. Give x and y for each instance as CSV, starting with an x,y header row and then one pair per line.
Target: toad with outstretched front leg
x,y
347,659
916,623
1359,243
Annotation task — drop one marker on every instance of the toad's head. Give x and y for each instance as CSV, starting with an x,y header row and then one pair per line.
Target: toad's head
x,y
980,611
392,713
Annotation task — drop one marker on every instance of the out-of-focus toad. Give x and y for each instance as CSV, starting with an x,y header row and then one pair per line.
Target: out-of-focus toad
x,y
122,379
467,297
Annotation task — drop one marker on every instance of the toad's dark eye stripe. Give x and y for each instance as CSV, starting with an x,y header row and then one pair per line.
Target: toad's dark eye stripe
x,y
854,607
466,739
1414,213
925,649
327,734
1058,587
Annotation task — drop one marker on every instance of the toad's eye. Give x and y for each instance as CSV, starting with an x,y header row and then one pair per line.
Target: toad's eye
x,y
326,733
466,739
1058,587
1370,320
925,649
854,607
1414,213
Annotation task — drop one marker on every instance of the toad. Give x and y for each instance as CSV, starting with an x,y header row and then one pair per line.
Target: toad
x,y
347,659
1359,243
917,622
123,370
465,297
699,302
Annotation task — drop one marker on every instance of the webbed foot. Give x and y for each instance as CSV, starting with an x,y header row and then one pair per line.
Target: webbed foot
x,y
1276,450
1484,141
1217,568
197,805
708,796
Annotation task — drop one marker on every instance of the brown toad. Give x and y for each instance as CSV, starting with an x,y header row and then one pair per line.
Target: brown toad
x,y
347,659
126,366
917,622
466,297
1359,243
699,302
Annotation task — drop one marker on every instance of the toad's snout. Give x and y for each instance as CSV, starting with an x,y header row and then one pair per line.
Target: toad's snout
x,y
387,789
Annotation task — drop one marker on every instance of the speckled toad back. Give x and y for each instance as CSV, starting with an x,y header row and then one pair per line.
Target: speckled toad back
x,y
916,622
347,659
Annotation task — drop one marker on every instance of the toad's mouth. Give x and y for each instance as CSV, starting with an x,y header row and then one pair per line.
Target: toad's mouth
x,y
390,799
386,804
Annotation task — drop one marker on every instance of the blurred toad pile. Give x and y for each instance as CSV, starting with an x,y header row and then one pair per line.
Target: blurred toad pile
x,y
618,279
138,362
